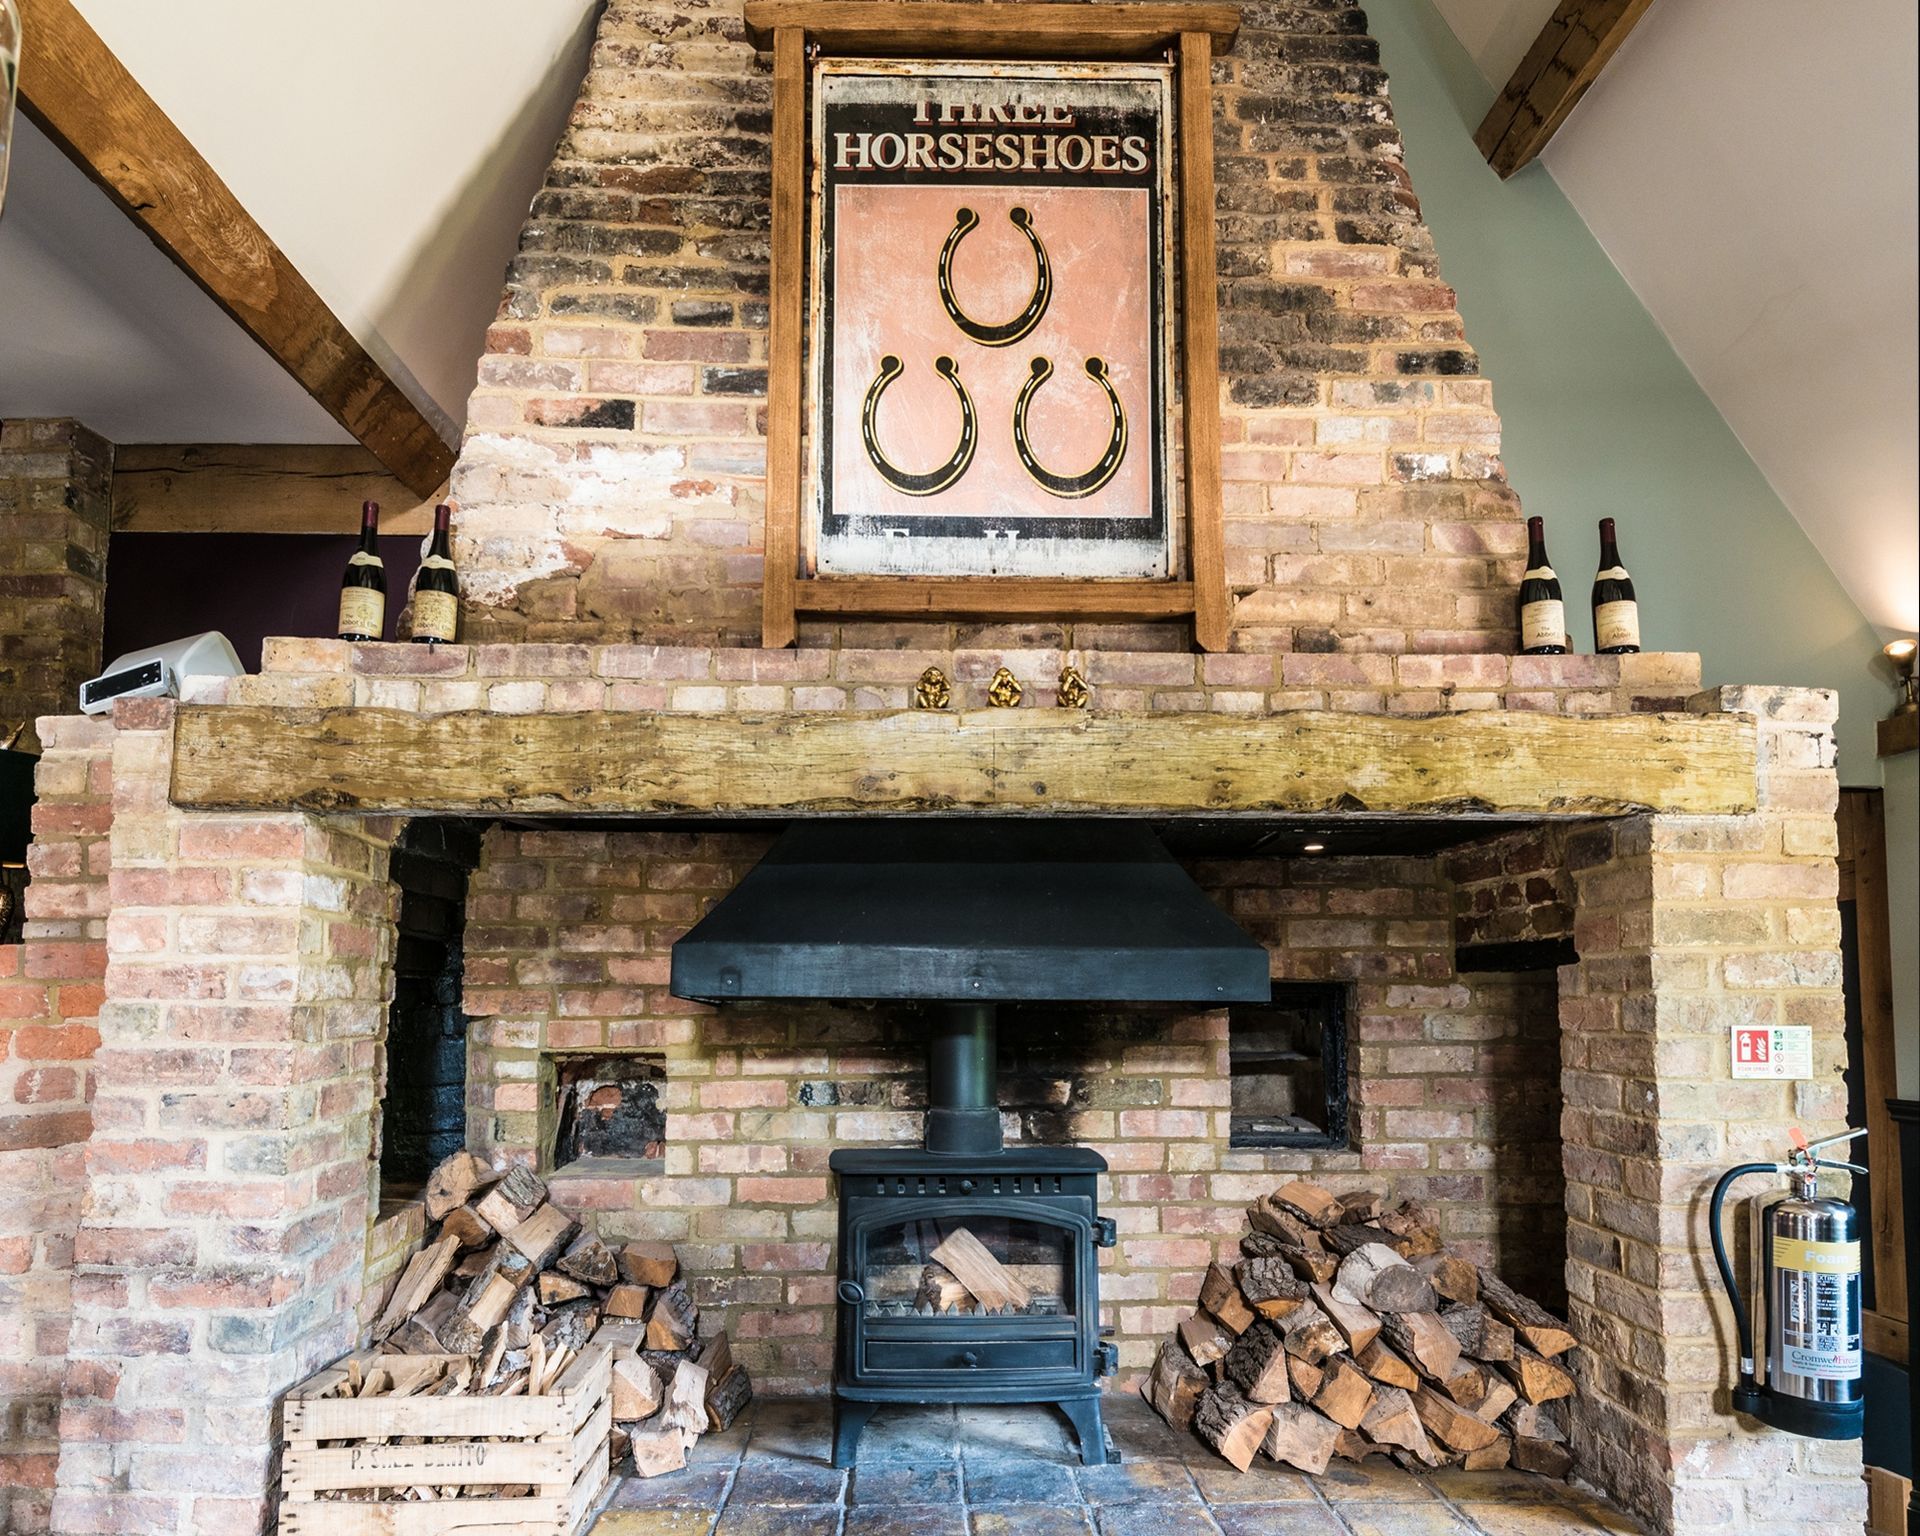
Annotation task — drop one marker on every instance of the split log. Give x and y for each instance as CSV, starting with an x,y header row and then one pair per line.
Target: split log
x,y
1451,1424
727,1397
487,1300
686,1407
1233,1426
519,1193
629,1301
941,1292
453,1182
1262,1245
1536,1327
1501,1396
1392,1420
1206,1341
1175,1387
636,1389
658,1449
467,1227
570,1326
420,1334
1312,1204
1357,1325
1499,1342
1534,1421
1257,1363
1301,1438
588,1260
1270,1285
1538,1380
1451,1277
1385,1367
715,1357
519,1323
417,1283
1220,1295
993,1285
1362,1206
543,1234
1375,1277
674,1319
1421,1339
1549,1458
1351,1445
555,1288
1344,1239
1415,1230
1314,1265
1305,1377
1468,1325
1489,1458
1469,1384
1275,1220
1314,1341
1345,1395
653,1265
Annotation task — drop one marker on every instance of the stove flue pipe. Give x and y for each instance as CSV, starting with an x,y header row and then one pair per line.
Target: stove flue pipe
x,y
963,1117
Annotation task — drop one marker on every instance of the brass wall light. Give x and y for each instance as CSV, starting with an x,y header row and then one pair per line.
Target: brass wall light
x,y
1901,654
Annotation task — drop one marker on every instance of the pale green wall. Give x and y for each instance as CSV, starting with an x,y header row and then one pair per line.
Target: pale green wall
x,y
1602,419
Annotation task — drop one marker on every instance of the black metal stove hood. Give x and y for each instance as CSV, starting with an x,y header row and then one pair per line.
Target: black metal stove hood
x,y
973,911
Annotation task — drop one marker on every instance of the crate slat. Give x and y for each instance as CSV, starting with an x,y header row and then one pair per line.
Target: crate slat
x,y
356,1418
444,1461
436,1517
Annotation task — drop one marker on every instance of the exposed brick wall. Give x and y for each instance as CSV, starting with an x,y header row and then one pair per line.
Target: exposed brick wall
x,y
55,496
220,1253
50,993
1686,925
1512,889
567,949
611,481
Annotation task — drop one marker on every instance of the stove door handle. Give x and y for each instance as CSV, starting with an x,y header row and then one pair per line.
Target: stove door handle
x,y
1106,1232
851,1293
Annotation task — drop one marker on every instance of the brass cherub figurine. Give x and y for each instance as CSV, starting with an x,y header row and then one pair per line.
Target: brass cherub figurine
x,y
933,691
1074,692
1004,692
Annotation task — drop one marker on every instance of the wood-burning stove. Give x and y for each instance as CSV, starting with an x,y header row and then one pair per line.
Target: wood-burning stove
x,y
964,916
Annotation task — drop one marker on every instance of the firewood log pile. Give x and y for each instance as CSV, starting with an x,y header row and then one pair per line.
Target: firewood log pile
x,y
508,1288
1348,1329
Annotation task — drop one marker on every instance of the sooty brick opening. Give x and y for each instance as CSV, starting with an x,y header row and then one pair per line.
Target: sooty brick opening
x,y
607,1107
1289,1063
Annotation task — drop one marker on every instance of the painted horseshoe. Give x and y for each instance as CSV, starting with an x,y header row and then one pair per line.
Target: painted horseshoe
x,y
1108,463
965,222
936,481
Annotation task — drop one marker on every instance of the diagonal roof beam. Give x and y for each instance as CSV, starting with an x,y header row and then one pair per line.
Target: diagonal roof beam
x,y
1564,60
85,100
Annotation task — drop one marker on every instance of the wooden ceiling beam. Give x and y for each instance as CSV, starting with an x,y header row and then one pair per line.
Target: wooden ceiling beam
x,y
991,31
83,98
258,488
1566,58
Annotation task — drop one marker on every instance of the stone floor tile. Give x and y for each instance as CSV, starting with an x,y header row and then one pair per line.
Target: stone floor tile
x,y
722,1445
779,1520
1001,1481
907,1520
793,1427
1502,1485
1277,1520
690,1488
1595,1509
1138,1482
904,1483
1516,1519
1028,1431
907,1432
653,1522
1137,1431
1032,1520
1155,1520
1374,1481
1403,1519
1265,1482
763,1483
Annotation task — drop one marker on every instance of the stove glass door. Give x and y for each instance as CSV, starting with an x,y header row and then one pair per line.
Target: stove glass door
x,y
1018,1267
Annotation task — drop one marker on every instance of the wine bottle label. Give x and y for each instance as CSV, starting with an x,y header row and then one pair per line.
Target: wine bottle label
x,y
434,616
361,557
1616,624
1611,573
1543,623
1539,573
363,611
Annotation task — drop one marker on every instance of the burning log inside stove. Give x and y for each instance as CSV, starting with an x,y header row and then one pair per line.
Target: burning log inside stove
x,y
1404,1348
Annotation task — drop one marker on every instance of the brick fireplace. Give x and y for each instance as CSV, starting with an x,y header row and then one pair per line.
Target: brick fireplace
x,y
196,1029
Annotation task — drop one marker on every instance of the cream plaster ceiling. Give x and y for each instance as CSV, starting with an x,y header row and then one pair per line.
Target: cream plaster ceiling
x,y
1751,170
389,149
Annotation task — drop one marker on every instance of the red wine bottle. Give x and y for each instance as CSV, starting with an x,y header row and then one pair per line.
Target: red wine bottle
x,y
1543,611
363,589
436,594
1616,613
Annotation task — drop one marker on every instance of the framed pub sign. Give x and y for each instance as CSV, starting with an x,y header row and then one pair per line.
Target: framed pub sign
x,y
982,350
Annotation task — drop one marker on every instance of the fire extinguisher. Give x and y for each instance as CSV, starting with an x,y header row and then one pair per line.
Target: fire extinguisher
x,y
1809,1296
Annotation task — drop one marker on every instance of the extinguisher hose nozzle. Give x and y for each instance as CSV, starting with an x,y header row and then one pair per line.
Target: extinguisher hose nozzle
x,y
1742,1327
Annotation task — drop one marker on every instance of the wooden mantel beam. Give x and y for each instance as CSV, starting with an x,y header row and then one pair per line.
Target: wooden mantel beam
x,y
80,94
1020,761
1564,60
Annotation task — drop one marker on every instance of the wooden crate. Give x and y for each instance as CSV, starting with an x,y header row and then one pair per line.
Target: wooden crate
x,y
556,1441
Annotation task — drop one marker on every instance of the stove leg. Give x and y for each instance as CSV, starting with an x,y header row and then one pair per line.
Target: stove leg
x,y
1085,1414
849,1418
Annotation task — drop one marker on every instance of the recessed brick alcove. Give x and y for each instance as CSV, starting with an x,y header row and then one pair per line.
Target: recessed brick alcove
x,y
196,1047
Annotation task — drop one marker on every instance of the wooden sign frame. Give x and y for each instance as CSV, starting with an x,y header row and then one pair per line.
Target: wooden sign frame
x,y
1192,35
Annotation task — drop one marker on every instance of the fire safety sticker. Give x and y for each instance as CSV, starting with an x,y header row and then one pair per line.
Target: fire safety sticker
x,y
1772,1050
